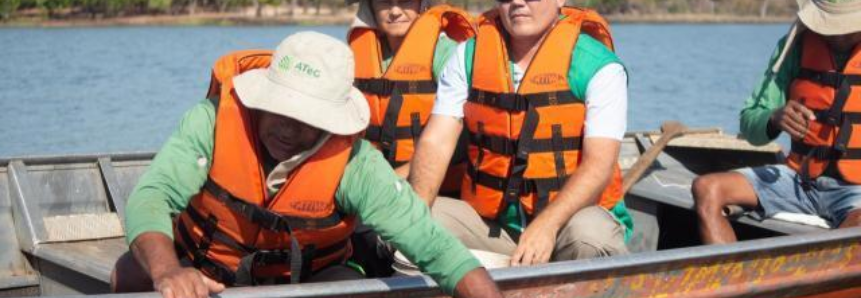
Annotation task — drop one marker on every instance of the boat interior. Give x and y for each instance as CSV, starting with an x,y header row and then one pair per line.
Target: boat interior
x,y
65,230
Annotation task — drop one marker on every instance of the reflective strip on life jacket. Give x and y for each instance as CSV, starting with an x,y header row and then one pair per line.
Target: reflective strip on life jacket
x,y
834,138
525,144
233,230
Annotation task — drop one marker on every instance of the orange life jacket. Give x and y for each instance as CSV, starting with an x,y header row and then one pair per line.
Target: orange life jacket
x,y
525,144
835,97
233,230
401,98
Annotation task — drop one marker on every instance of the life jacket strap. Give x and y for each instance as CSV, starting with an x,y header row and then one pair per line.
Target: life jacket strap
x,y
505,146
516,102
374,133
528,185
266,218
385,87
299,259
831,79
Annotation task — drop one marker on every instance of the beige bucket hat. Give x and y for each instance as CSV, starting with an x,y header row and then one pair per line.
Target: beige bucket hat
x,y
310,80
825,17
830,17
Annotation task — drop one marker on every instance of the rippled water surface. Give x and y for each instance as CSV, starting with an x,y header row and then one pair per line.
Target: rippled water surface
x,y
85,90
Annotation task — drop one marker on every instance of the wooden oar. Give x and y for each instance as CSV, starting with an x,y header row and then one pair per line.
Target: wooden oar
x,y
669,130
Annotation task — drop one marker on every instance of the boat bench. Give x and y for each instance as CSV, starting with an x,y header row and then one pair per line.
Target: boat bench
x,y
67,216
668,181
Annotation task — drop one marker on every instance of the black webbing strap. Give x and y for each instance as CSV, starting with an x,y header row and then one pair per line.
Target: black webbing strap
x,y
209,229
300,260
294,257
374,133
479,137
824,152
841,143
506,146
543,193
520,159
822,116
831,79
529,185
386,87
521,102
266,218
415,127
388,139
214,234
200,260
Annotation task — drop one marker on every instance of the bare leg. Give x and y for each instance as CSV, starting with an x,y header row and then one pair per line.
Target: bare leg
x,y
128,276
853,219
712,193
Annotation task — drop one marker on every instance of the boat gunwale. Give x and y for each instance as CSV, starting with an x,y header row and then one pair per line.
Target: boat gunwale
x,y
631,263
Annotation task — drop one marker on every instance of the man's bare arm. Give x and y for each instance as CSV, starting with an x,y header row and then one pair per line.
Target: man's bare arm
x,y
155,253
433,154
582,189
477,283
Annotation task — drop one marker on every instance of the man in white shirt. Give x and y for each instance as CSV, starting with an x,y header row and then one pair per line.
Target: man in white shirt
x,y
545,126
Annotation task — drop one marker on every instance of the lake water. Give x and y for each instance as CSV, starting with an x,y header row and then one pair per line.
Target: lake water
x,y
86,90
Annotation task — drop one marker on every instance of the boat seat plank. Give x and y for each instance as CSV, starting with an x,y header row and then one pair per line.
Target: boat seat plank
x,y
672,186
94,258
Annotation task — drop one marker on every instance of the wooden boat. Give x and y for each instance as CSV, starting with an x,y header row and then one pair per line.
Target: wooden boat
x,y
63,232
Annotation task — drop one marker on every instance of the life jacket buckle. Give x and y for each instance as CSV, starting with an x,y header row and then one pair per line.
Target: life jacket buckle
x,y
552,99
480,97
831,120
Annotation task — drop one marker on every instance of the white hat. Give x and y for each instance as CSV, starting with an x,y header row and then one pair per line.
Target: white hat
x,y
310,80
831,17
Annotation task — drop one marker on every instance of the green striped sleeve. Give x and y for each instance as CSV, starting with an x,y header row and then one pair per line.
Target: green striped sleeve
x,y
389,205
175,175
767,96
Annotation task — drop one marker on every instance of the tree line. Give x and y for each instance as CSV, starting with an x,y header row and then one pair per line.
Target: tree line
x,y
53,9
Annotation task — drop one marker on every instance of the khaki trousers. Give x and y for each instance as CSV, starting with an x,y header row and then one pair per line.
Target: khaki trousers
x,y
591,232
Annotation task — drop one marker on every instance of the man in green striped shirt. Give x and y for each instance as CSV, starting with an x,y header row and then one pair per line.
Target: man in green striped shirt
x,y
777,105
287,95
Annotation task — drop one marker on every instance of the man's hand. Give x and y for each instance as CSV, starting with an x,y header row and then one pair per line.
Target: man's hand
x,y
155,253
536,243
182,282
582,189
477,283
793,118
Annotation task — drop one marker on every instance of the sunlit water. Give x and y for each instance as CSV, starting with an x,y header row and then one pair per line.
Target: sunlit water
x,y
86,90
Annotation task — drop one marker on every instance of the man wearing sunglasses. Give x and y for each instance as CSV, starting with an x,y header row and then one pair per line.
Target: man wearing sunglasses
x,y
401,47
543,99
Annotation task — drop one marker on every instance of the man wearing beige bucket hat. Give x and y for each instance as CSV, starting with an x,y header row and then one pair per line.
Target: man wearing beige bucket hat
x,y
263,183
400,48
812,91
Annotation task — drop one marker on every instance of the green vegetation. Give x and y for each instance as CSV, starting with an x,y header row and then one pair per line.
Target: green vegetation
x,y
99,9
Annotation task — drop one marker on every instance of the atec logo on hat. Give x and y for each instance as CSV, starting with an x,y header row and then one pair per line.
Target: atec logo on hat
x,y
287,63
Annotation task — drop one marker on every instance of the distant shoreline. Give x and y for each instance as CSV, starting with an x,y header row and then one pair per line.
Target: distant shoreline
x,y
341,19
